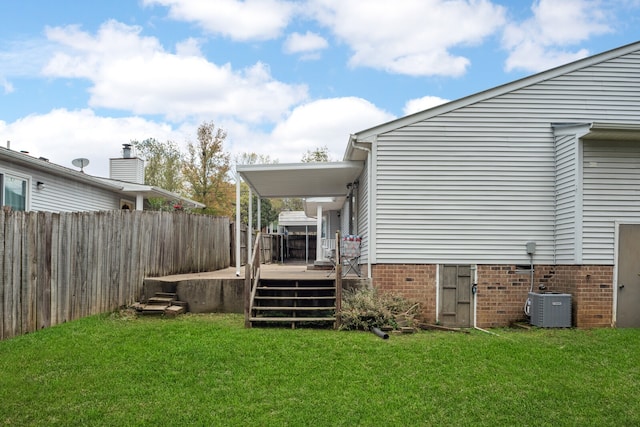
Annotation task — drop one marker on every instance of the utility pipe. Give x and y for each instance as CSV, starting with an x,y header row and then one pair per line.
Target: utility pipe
x,y
380,333
475,304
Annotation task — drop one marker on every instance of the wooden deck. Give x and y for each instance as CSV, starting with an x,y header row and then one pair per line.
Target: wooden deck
x,y
267,271
304,293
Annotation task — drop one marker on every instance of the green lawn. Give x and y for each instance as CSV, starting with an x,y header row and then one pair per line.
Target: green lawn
x,y
208,370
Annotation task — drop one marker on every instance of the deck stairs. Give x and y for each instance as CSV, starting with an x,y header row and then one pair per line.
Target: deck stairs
x,y
294,303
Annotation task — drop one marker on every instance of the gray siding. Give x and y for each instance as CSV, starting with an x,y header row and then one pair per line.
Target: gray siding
x,y
362,212
476,183
611,172
566,192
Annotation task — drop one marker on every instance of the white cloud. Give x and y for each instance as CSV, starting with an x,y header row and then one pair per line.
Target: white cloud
x,y
421,104
188,47
305,43
239,20
136,74
325,122
63,135
543,41
7,87
412,37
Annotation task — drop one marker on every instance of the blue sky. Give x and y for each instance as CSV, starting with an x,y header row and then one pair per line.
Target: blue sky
x,y
80,78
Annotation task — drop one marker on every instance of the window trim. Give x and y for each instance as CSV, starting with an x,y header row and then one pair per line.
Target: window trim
x,y
18,175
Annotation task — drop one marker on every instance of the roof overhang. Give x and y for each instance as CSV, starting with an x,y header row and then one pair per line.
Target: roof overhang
x,y
328,204
304,180
613,132
295,219
149,191
43,165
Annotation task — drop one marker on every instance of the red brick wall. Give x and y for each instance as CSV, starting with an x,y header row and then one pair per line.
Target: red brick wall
x,y
503,291
414,282
591,287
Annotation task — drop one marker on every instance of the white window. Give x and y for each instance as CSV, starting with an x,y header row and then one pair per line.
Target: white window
x,y
15,191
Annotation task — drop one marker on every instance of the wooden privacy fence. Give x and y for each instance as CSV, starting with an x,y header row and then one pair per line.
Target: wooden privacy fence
x,y
60,267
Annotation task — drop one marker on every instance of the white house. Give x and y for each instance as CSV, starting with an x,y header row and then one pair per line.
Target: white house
x,y
35,184
468,206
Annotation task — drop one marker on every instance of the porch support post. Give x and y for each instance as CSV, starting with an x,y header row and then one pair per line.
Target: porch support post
x,y
250,227
139,202
238,234
319,233
259,219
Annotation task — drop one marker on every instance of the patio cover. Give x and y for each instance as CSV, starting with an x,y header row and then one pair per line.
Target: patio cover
x,y
304,180
315,181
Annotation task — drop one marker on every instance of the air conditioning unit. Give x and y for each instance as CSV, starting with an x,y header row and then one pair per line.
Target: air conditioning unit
x,y
550,310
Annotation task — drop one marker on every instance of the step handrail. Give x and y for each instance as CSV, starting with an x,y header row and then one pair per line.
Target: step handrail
x,y
251,280
338,282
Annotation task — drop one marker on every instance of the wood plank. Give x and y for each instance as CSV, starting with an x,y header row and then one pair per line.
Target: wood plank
x,y
291,288
29,272
43,304
15,282
307,298
174,310
54,270
291,308
292,319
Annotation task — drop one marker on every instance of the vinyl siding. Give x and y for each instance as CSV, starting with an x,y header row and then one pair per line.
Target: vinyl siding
x,y
611,172
566,187
473,185
362,212
64,195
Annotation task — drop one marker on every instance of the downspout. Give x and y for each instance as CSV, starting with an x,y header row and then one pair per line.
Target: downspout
x,y
369,198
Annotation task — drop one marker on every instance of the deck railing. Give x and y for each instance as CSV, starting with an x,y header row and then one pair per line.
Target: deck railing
x,y
338,282
251,280
328,246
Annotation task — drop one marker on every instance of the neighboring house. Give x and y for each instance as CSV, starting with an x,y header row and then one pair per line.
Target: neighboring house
x,y
533,184
34,184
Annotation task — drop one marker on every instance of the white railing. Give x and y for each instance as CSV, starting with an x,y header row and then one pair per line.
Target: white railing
x,y
328,247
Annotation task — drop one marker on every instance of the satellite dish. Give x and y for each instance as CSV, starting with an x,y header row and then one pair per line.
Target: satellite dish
x,y
80,163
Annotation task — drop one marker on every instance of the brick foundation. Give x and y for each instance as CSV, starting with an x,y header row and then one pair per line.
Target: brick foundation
x,y
414,282
503,290
592,290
